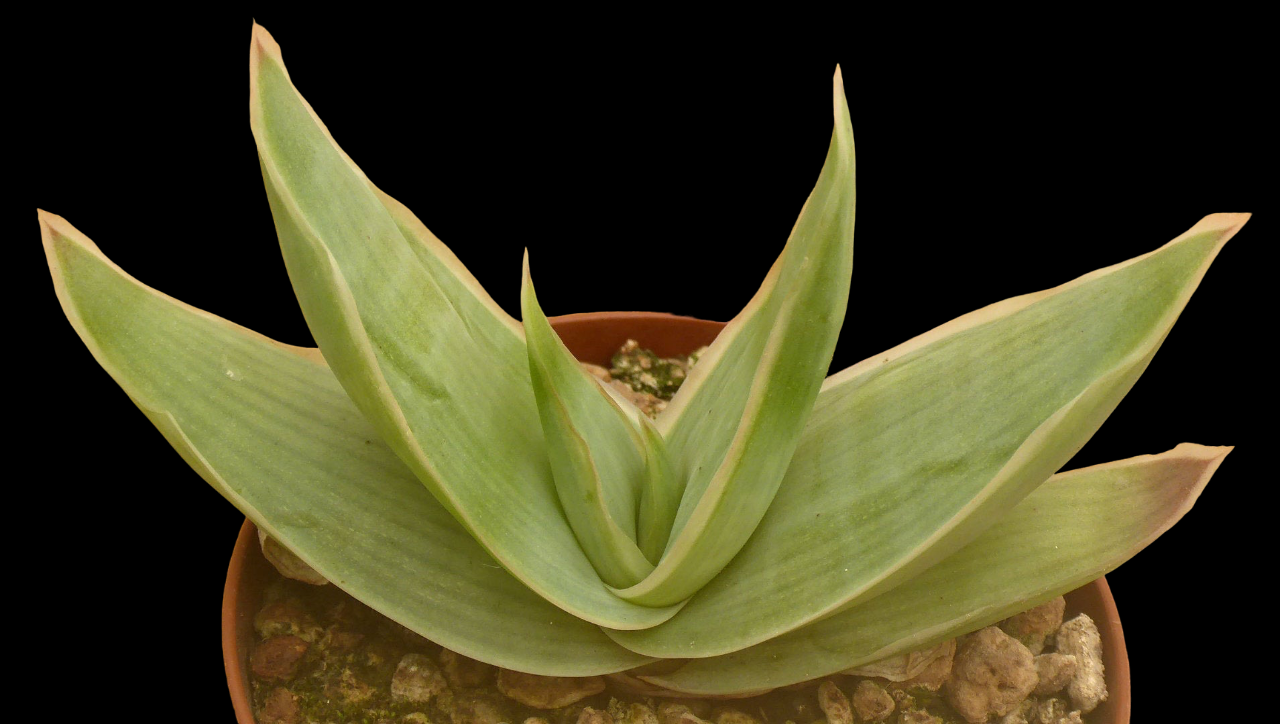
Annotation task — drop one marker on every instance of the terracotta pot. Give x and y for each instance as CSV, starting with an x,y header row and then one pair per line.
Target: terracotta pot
x,y
593,337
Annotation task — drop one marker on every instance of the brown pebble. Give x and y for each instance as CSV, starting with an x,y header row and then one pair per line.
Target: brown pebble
x,y
992,673
416,679
286,562
678,712
277,658
733,716
281,707
346,687
285,617
1080,637
871,701
933,676
474,710
547,692
634,713
1033,626
834,704
1055,672
1056,711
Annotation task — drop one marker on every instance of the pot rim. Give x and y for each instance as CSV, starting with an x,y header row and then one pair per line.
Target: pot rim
x,y
248,570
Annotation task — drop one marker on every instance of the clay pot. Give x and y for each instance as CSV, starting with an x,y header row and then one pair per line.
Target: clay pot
x,y
594,337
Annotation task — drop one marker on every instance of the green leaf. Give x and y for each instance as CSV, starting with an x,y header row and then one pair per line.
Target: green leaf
x,y
660,497
1073,529
271,430
912,453
597,455
735,424
441,374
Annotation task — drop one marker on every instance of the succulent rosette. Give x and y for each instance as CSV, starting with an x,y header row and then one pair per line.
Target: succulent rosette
x,y
459,472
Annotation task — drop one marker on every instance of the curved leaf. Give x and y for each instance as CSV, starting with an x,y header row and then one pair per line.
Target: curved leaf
x,y
969,417
421,351
736,423
660,497
596,454
1073,529
269,427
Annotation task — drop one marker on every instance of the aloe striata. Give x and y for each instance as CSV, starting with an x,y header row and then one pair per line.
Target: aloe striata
x,y
456,470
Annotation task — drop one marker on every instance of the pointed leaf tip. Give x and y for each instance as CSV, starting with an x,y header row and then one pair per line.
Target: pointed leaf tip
x,y
843,135
44,218
51,224
1222,221
261,44
262,41
46,221
1190,449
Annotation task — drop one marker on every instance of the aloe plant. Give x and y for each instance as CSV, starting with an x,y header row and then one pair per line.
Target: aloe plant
x,y
454,469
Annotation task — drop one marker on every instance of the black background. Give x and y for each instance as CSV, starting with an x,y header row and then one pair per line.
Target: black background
x,y
993,160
